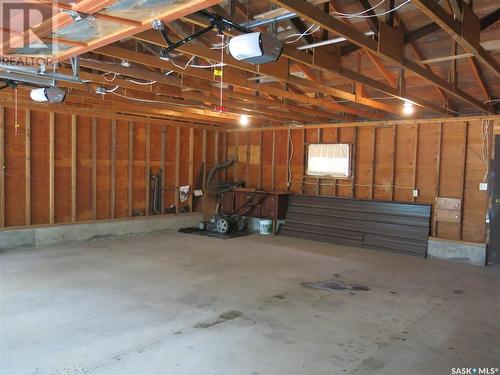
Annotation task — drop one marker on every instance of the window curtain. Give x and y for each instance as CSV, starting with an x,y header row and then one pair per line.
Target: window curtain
x,y
328,160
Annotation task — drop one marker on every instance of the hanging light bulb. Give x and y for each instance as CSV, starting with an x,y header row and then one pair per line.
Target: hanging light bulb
x,y
244,120
408,108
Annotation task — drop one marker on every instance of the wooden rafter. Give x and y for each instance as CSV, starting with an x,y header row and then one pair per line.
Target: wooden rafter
x,y
479,76
335,26
466,33
345,73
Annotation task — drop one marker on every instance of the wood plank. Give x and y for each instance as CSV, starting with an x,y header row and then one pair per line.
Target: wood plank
x,y
261,134
27,144
112,206
354,163
224,153
130,168
273,158
94,169
51,167
438,176
73,167
177,167
394,161
204,156
2,167
147,172
464,179
415,159
191,168
163,153
374,161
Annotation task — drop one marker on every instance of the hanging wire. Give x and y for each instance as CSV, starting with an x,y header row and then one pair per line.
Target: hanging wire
x,y
221,68
306,32
377,14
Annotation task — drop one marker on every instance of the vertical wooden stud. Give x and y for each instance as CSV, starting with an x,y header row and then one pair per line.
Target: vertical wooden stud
x,y
273,161
163,153
94,168
415,160
177,167
191,168
394,156
247,169
204,157
147,174
261,135
437,167
27,145
216,147
224,154
353,163
318,180
464,176
51,167
130,168
2,167
237,154
112,205
304,155
374,161
73,167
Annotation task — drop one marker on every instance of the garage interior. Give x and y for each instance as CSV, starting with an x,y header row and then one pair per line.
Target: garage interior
x,y
249,187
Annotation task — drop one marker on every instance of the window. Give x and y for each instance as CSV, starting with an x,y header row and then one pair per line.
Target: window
x,y
331,160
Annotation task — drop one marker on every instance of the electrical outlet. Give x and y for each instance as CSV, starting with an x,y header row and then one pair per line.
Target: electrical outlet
x,y
483,186
415,193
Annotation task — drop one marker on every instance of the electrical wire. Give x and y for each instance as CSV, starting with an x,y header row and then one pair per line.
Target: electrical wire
x,y
298,36
109,80
182,67
377,14
141,83
359,13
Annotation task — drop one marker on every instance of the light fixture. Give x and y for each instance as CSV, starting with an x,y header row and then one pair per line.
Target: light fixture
x,y
50,94
244,120
408,108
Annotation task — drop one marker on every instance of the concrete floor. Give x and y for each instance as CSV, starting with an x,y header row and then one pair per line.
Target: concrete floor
x,y
171,303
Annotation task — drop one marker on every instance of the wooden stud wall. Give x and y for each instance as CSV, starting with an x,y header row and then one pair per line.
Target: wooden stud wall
x,y
60,168
438,159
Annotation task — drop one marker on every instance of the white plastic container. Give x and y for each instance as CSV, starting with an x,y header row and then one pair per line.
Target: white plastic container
x,y
266,226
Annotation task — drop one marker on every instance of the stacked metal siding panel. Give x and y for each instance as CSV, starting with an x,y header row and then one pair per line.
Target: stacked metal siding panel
x,y
393,226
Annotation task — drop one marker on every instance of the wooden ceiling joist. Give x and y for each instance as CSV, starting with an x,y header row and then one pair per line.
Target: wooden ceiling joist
x,y
304,58
279,74
386,47
466,33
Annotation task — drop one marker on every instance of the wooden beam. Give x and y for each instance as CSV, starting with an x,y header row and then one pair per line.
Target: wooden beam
x,y
479,77
27,144
130,168
73,167
415,160
94,169
51,167
177,167
163,157
382,69
147,174
273,159
2,167
238,80
112,198
338,27
345,73
466,33
191,168
204,156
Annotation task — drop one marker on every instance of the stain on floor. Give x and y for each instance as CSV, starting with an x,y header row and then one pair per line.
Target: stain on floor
x,y
334,285
224,317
